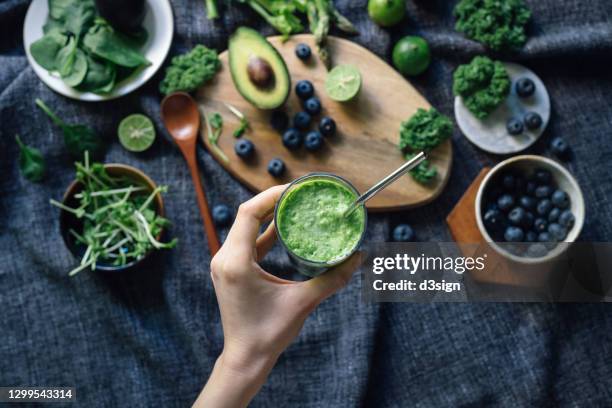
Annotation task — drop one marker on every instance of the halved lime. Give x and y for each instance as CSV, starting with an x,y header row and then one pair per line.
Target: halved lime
x,y
343,83
136,132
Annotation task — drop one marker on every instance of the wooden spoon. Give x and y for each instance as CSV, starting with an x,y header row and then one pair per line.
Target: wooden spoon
x,y
182,119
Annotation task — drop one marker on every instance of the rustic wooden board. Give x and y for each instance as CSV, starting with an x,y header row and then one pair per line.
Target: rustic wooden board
x,y
365,148
462,219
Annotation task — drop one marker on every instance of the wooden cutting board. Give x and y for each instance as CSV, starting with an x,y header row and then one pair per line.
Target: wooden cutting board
x,y
365,148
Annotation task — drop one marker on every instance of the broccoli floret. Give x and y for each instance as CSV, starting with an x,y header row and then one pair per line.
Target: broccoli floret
x,y
188,71
483,84
425,130
499,24
424,173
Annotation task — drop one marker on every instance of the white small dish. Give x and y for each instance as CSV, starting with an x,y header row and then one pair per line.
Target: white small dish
x,y
565,181
158,22
490,134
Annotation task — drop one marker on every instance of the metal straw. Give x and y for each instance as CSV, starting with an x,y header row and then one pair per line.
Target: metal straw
x,y
405,168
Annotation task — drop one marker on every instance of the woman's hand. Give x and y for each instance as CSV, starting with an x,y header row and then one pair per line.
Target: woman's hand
x,y
261,313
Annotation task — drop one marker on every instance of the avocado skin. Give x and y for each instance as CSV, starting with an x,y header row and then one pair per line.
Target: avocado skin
x,y
262,98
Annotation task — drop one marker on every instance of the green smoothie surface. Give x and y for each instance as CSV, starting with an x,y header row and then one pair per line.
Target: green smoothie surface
x,y
311,224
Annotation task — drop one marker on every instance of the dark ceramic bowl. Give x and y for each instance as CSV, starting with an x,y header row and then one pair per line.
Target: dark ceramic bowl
x,y
68,221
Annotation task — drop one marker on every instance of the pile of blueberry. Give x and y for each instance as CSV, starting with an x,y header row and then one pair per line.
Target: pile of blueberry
x,y
525,88
529,209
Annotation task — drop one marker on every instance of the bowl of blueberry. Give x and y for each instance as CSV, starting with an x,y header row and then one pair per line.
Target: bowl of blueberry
x,y
528,208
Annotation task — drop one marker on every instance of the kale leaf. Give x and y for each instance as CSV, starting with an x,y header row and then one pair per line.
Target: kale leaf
x,y
424,130
500,25
424,173
189,71
483,84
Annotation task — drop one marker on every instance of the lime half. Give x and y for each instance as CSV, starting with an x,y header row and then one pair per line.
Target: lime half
x,y
136,132
343,83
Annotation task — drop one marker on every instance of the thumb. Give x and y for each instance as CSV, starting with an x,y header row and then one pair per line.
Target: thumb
x,y
323,286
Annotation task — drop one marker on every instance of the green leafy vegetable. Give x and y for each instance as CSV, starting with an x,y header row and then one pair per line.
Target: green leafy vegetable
x,y
120,223
103,41
78,139
84,49
31,161
425,172
244,122
189,71
500,25
45,49
483,84
214,128
425,130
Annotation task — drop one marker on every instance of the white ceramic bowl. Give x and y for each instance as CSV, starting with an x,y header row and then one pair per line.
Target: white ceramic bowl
x,y
158,22
565,181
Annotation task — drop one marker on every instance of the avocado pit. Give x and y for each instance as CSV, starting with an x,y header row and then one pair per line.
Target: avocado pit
x,y
260,72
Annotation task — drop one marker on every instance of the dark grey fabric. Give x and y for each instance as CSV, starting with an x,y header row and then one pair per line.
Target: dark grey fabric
x,y
150,338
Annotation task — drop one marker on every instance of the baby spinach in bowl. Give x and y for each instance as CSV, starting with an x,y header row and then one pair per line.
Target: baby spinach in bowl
x,y
112,217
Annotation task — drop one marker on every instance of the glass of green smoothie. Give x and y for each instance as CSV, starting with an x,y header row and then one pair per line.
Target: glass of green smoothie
x,y
310,222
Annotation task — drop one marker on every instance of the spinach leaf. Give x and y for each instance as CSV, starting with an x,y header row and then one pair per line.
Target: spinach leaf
x,y
102,41
31,161
78,17
65,58
45,49
100,76
57,8
77,138
78,71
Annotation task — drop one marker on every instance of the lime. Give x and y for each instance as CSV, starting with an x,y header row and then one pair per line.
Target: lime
x,y
343,83
136,132
411,55
386,13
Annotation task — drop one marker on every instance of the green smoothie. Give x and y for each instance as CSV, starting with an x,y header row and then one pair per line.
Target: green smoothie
x,y
311,224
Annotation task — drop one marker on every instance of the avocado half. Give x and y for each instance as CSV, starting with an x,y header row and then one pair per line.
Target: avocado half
x,y
258,70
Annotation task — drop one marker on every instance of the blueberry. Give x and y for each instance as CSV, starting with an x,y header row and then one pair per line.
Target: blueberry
x,y
528,203
505,202
531,236
403,233
545,237
302,51
530,187
557,231
494,220
524,87
554,215
304,89
544,207
327,126
543,176
222,215
244,148
292,139
532,121
517,216
313,106
314,140
514,234
540,224
528,220
560,148
301,120
279,121
509,182
519,184
514,126
567,219
543,191
560,199
276,167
